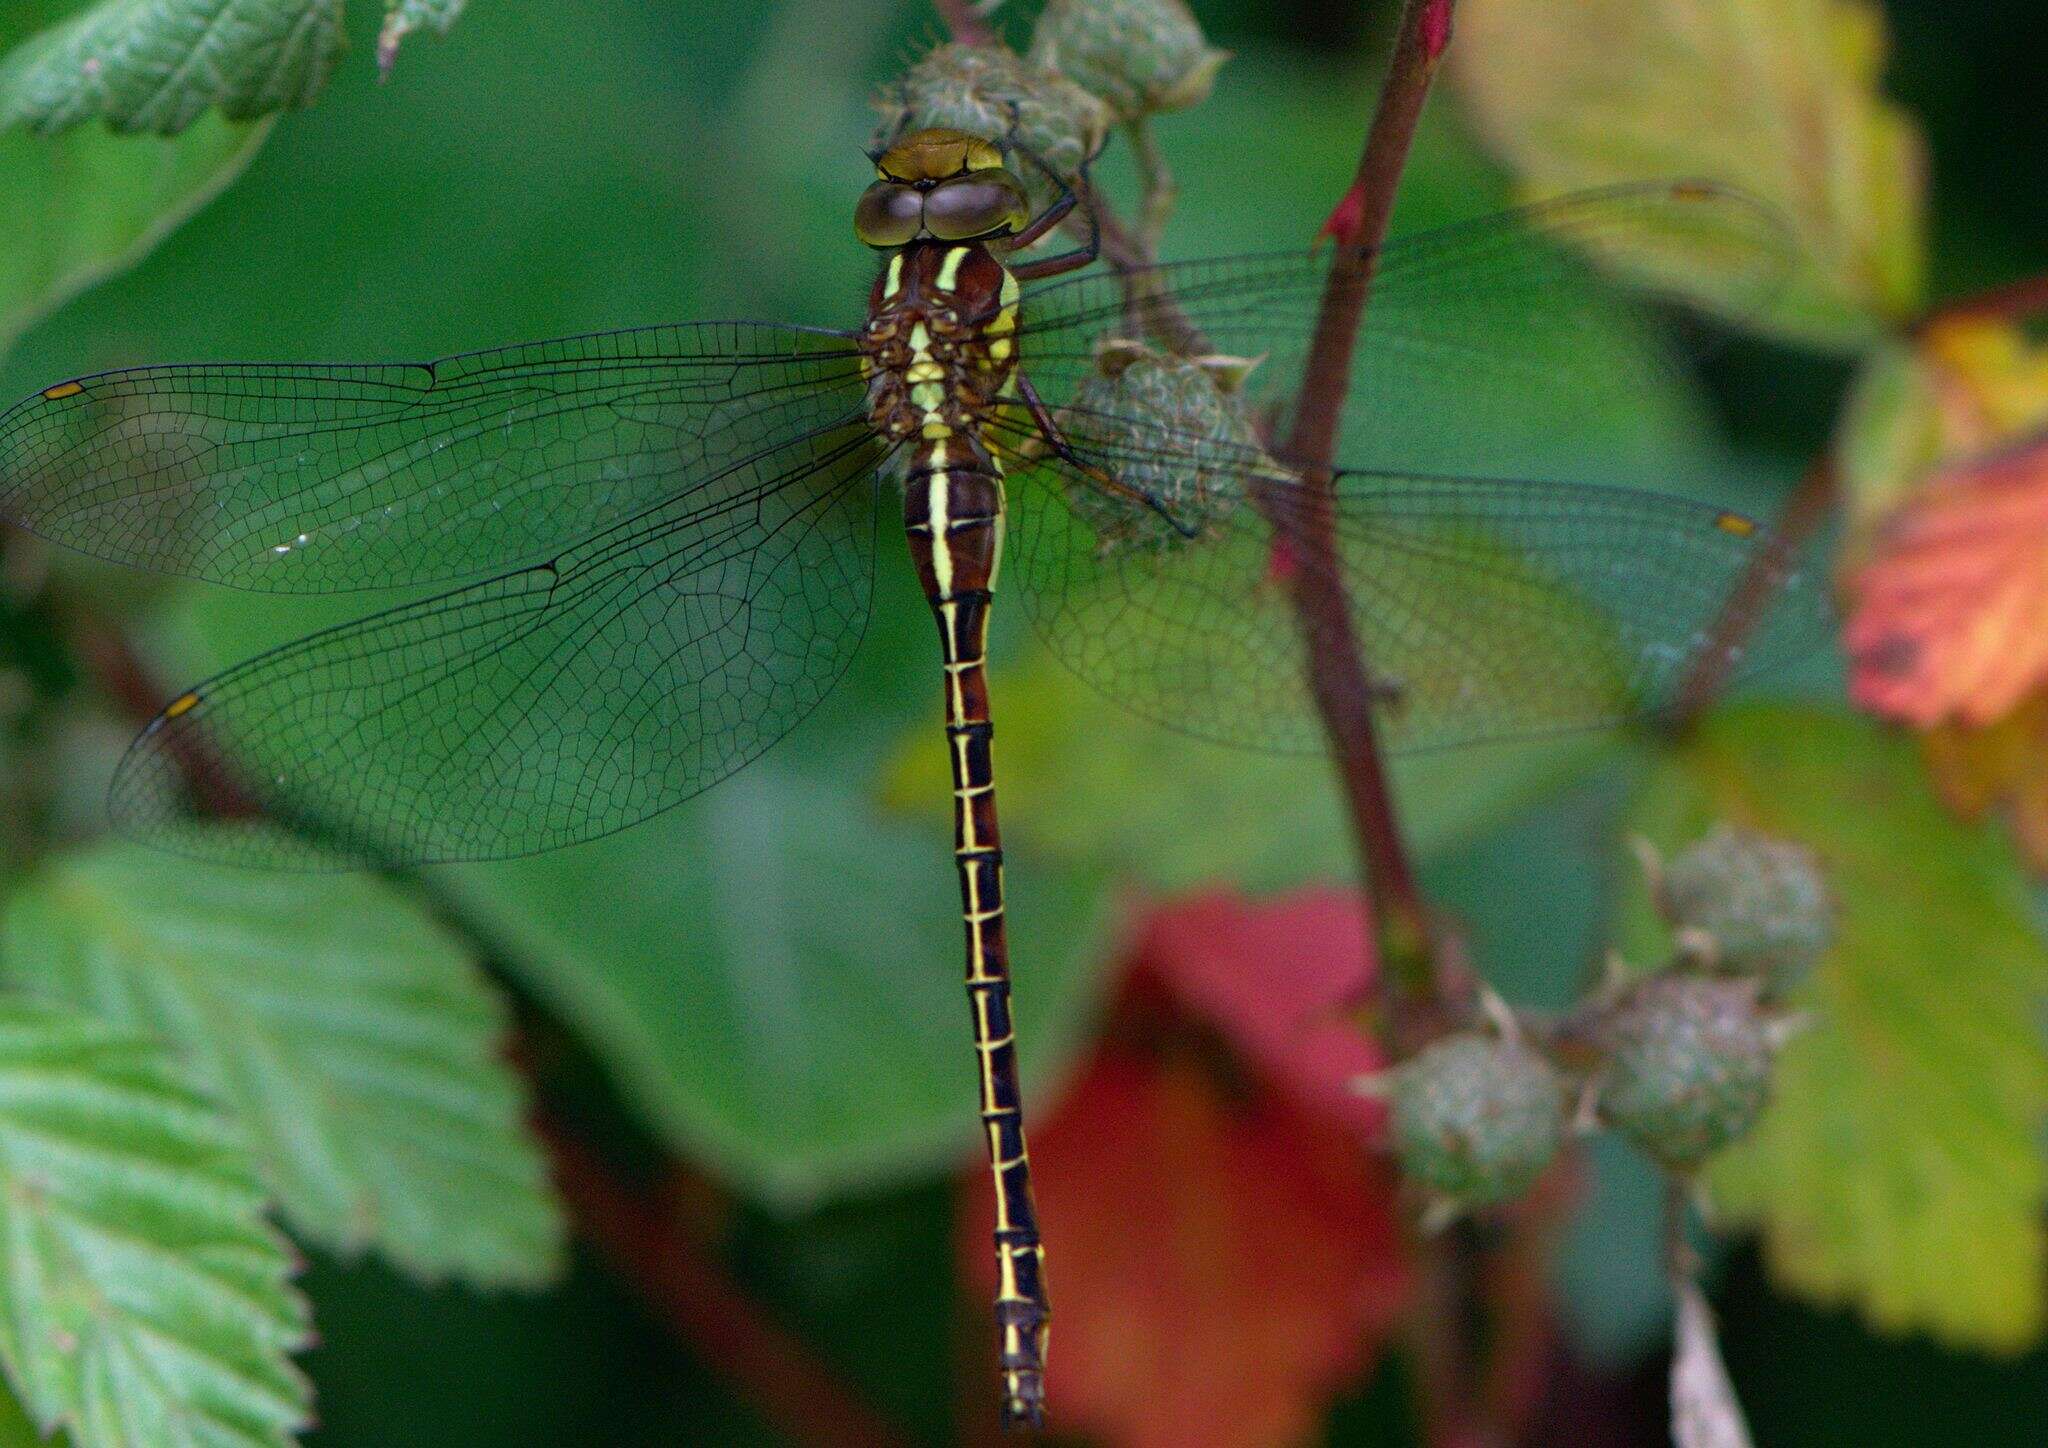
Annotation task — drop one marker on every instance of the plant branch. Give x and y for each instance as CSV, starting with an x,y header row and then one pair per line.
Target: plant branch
x,y
1805,509
704,1307
965,22
1339,679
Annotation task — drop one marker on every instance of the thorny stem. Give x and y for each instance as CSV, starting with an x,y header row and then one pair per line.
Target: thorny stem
x,y
1805,509
965,21
1156,187
1417,994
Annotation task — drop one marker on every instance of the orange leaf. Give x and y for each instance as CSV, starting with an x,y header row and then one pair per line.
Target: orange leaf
x,y
2004,764
1219,1268
1949,619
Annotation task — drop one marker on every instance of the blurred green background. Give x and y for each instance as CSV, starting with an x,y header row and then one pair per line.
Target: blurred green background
x,y
556,169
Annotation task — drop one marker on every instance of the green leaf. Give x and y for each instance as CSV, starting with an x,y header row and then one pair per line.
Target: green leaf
x,y
1777,97
1899,1166
16,1429
774,973
352,1034
403,17
146,1299
1085,781
158,65
88,204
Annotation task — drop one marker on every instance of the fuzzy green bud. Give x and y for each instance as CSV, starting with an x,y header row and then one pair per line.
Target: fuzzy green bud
x,y
1688,1065
991,91
1476,1118
1140,56
1177,428
1754,905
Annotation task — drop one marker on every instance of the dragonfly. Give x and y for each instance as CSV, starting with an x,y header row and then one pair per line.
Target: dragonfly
x,y
640,558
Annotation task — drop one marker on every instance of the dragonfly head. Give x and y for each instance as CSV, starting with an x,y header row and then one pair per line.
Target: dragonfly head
x,y
945,184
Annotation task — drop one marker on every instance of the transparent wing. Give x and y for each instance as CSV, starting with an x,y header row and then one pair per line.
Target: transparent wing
x,y
320,479
1477,338
1484,609
547,705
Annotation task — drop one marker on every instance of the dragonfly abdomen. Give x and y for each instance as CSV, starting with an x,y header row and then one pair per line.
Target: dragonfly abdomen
x,y
940,353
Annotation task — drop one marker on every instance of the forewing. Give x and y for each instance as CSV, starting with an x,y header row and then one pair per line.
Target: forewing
x,y
1478,337
319,479
549,705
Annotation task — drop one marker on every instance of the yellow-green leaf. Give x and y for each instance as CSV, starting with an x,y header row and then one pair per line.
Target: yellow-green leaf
x,y
1777,97
1889,433
1899,1167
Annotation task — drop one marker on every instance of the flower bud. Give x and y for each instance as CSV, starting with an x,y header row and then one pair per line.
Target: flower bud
x,y
1171,427
1688,1065
1141,56
991,91
1476,1118
1746,903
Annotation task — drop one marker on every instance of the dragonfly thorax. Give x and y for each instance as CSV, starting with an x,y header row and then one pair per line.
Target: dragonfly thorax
x,y
939,345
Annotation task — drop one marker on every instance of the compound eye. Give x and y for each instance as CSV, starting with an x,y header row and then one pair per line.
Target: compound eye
x,y
889,214
982,203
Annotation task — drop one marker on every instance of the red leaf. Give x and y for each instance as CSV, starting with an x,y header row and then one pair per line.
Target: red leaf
x,y
1950,617
1281,982
1219,1269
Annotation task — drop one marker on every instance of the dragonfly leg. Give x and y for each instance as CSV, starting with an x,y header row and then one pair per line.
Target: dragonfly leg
x,y
1056,440
1061,207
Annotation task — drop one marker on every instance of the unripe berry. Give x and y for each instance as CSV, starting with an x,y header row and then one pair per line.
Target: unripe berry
x,y
1141,56
1758,906
1688,1064
1476,1118
1181,430
991,91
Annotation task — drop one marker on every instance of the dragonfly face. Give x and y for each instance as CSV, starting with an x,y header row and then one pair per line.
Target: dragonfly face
x,y
940,185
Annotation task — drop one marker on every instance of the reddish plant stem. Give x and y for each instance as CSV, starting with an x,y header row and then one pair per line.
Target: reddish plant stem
x,y
1805,509
1439,1342
1417,997
2026,297
1522,1343
114,665
1425,979
964,22
704,1308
